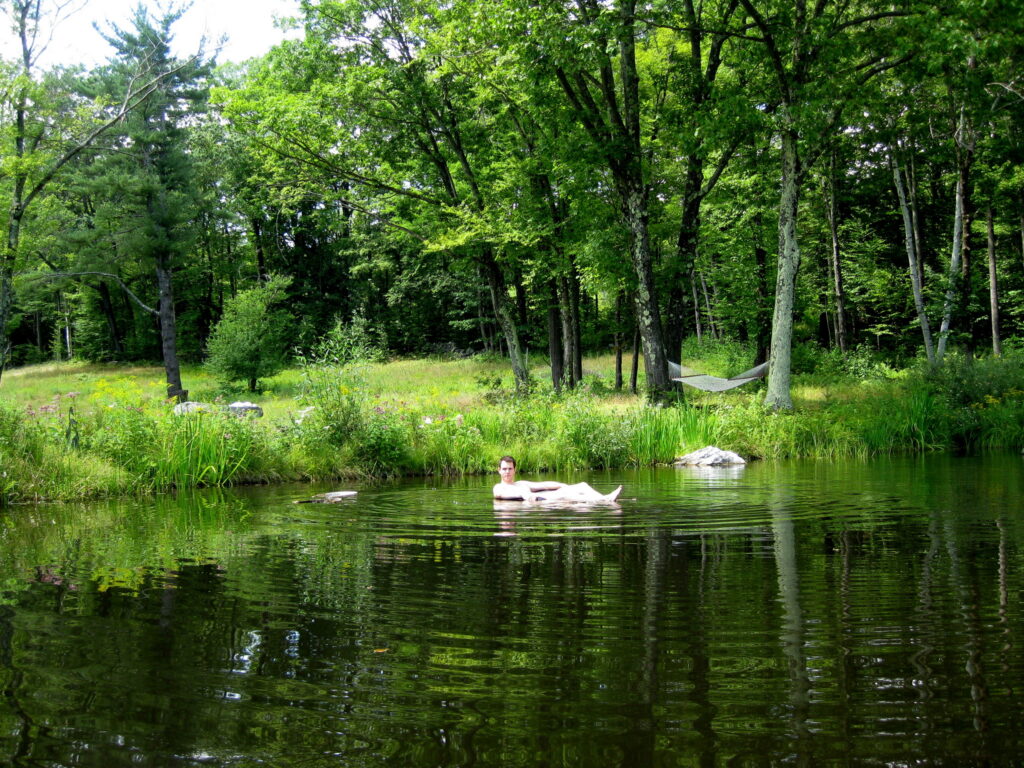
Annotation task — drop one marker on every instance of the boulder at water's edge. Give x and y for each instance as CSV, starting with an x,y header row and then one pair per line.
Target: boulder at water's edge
x,y
710,457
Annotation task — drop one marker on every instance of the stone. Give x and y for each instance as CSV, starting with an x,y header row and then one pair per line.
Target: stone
x,y
710,457
192,406
331,497
245,408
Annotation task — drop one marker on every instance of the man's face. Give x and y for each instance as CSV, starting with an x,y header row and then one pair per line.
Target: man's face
x,y
507,470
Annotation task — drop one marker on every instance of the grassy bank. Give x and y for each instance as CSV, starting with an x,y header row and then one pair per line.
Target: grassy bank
x,y
72,431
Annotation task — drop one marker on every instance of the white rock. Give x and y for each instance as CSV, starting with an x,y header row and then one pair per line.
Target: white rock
x,y
331,497
245,408
710,457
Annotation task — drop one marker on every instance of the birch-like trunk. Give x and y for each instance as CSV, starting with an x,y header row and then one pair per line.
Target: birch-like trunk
x,y
780,355
993,286
953,277
837,268
910,236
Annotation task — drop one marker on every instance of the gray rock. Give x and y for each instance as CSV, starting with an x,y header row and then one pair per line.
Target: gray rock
x,y
710,457
191,406
245,408
331,497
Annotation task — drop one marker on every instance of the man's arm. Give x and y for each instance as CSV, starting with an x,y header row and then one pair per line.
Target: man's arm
x,y
543,485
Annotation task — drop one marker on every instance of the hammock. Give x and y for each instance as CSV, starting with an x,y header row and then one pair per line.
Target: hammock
x,y
713,383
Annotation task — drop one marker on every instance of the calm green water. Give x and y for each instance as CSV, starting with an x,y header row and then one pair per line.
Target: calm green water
x,y
808,614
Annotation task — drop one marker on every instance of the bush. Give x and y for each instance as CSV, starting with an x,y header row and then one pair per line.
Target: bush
x,y
250,341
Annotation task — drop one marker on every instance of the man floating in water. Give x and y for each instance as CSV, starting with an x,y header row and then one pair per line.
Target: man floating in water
x,y
510,489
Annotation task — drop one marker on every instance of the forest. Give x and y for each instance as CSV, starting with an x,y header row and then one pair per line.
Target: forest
x,y
548,177
827,186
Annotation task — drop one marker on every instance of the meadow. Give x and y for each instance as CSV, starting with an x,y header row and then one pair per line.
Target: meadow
x,y
75,431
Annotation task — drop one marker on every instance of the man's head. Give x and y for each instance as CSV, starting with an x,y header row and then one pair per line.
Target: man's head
x,y
507,469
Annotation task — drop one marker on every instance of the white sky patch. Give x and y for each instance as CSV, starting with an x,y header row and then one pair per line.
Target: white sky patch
x,y
247,26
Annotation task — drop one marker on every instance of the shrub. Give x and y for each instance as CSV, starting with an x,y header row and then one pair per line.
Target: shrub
x,y
250,341
382,443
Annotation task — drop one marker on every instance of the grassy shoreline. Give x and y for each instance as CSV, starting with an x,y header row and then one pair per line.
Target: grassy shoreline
x,y
73,431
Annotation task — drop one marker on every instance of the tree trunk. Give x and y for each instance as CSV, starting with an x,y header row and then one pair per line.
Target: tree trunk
x,y
781,352
762,324
555,337
828,192
993,288
168,329
958,285
685,258
954,277
698,326
6,304
634,370
712,327
913,250
575,322
618,341
504,314
568,334
107,306
646,297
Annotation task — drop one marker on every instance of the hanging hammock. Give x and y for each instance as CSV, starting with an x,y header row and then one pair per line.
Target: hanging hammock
x,y
713,383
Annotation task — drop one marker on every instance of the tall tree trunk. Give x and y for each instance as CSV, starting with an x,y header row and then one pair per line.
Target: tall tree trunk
x,y
829,194
993,288
634,370
761,322
555,337
261,254
107,306
618,341
712,326
646,297
682,267
780,357
913,251
168,329
958,286
698,326
954,276
568,333
504,314
575,322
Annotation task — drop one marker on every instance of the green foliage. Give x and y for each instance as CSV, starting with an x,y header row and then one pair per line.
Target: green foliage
x,y
127,436
351,343
209,449
250,341
449,445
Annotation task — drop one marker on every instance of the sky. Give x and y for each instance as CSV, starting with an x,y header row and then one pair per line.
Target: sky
x,y
248,26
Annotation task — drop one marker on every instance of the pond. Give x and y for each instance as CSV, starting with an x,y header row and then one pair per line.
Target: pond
x,y
797,613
